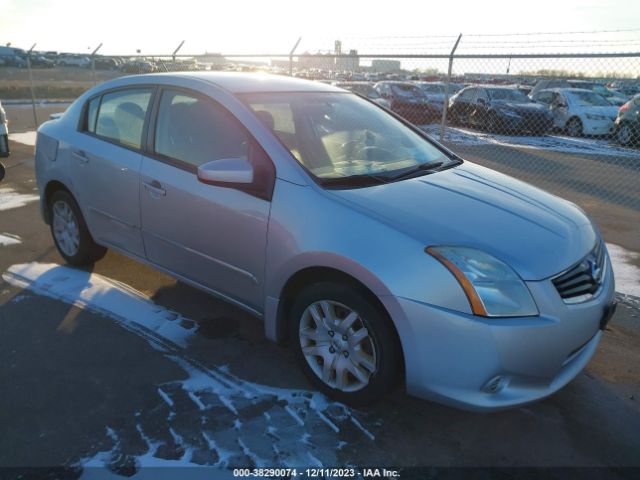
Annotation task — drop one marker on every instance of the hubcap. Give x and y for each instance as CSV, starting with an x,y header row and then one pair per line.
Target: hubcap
x,y
337,346
65,228
624,135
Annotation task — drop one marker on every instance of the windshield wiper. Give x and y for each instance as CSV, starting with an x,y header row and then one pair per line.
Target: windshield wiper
x,y
422,168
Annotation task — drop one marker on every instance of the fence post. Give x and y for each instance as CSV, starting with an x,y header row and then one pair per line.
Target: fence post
x,y
93,64
173,55
33,95
291,56
445,106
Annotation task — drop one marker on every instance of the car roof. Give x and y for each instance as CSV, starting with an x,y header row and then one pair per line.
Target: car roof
x,y
570,90
247,82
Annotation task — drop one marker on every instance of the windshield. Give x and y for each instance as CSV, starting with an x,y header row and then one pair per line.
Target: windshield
x,y
340,135
406,90
589,99
507,95
362,88
433,88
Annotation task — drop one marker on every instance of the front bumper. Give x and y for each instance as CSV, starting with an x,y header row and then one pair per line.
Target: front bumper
x,y
489,364
597,127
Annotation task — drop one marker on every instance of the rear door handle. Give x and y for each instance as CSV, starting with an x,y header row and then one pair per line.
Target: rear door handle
x,y
80,155
154,187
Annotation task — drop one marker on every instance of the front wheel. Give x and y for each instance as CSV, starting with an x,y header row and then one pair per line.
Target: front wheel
x,y
70,232
574,127
625,135
344,344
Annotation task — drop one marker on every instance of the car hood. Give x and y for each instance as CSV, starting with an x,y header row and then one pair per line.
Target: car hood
x,y
536,233
521,107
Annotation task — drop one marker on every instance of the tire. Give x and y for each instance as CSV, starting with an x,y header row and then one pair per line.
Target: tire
x,y
574,127
626,135
70,233
363,361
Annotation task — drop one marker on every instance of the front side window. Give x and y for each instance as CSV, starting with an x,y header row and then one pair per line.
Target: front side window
x,y
194,130
545,97
468,94
121,116
340,135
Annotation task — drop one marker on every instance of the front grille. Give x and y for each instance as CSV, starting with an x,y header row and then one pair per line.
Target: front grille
x,y
582,281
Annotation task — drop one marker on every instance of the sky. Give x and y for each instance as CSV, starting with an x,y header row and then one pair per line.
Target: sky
x,y
154,27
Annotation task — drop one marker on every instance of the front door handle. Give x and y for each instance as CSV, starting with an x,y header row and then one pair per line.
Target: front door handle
x,y
80,155
154,187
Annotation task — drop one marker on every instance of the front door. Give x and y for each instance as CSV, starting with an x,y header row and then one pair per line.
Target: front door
x,y
212,235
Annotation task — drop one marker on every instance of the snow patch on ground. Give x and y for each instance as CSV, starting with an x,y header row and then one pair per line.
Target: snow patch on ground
x,y
26,138
9,239
627,274
9,198
556,143
265,439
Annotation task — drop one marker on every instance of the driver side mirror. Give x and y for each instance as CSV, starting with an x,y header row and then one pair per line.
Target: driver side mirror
x,y
226,172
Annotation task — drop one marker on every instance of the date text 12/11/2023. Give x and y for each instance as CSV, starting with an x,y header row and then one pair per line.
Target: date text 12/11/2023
x,y
336,473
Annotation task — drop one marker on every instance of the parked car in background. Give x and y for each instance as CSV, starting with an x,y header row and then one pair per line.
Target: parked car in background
x,y
627,124
435,92
13,57
408,101
68,60
381,257
106,63
138,66
40,61
4,133
612,96
578,111
499,109
546,84
365,89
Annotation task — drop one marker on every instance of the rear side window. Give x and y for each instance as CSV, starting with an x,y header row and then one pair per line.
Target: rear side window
x,y
121,116
196,131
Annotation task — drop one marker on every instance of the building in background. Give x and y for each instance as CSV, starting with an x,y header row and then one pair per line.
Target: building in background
x,y
385,65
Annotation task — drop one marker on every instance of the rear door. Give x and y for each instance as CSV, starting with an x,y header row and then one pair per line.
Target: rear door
x,y
106,161
211,235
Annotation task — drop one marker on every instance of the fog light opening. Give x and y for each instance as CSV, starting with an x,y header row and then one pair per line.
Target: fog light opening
x,y
496,384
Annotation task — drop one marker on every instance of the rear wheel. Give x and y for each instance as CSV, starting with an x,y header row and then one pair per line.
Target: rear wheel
x,y
70,232
574,127
346,347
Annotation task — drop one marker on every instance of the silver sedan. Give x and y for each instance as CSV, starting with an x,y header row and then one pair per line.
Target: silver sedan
x,y
379,255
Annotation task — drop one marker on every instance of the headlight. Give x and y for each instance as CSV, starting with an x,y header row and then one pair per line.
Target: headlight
x,y
492,287
592,116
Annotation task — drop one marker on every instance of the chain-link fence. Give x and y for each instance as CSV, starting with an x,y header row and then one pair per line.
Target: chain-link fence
x,y
567,122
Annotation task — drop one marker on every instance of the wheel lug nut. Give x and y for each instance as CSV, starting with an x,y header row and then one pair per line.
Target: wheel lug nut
x,y
346,354
331,333
344,337
332,350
